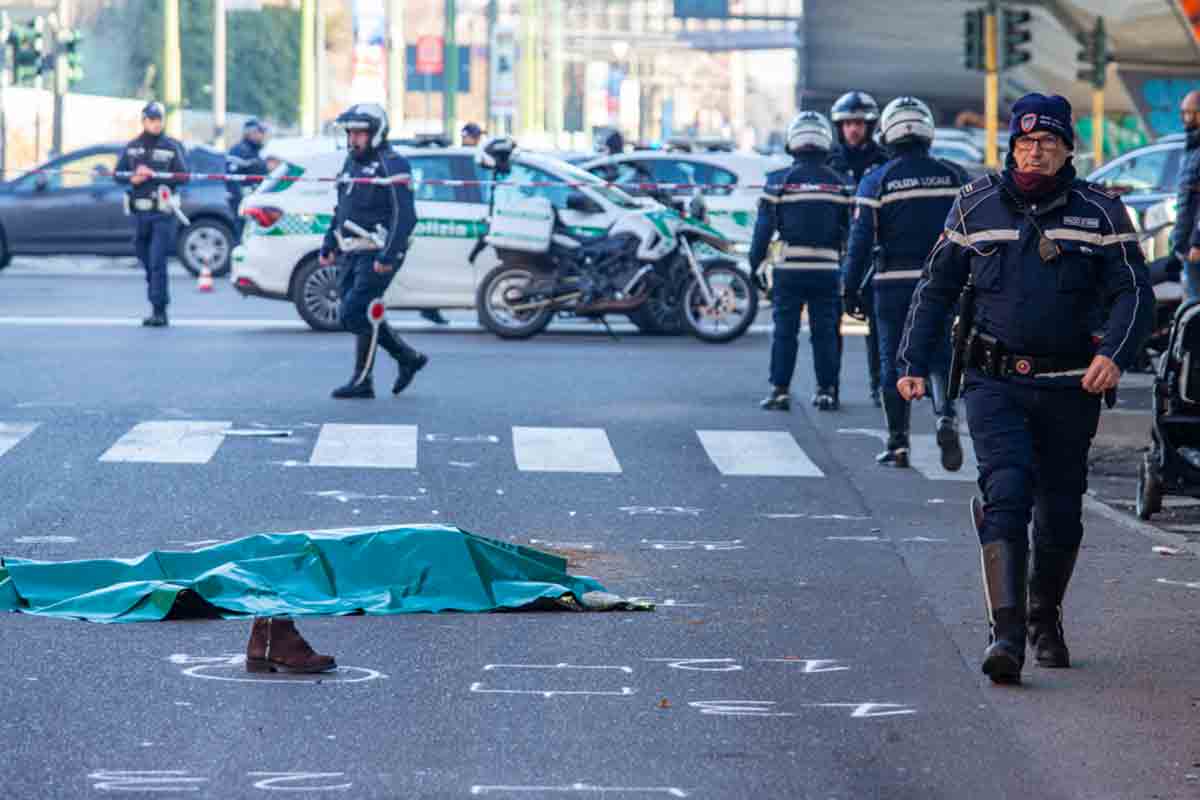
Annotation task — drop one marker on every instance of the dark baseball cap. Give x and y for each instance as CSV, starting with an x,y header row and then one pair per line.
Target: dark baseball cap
x,y
153,110
471,129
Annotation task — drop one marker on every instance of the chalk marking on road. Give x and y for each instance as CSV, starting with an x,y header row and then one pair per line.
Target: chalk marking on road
x,y
833,517
371,446
45,540
564,545
11,434
145,780
270,781
701,664
922,539
758,454
740,708
343,496
710,546
258,433
811,666
491,667
168,442
925,456
199,667
866,710
580,788
1184,584
857,539
624,691
669,603
564,450
661,511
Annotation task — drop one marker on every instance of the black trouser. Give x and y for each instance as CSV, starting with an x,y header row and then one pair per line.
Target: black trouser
x,y
360,284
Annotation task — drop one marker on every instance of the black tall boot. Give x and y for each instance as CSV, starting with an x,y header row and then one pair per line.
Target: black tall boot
x,y
360,385
408,361
1048,579
897,411
1005,566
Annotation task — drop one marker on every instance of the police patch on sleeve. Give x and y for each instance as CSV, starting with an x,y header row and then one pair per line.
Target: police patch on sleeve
x,y
976,185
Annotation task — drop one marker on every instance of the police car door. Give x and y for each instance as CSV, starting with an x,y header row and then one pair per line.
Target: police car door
x,y
437,272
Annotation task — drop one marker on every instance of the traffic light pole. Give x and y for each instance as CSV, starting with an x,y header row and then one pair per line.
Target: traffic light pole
x,y
450,70
991,87
172,70
1097,127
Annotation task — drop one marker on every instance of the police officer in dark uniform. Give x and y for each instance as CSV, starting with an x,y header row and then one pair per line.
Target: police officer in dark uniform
x,y
245,158
371,228
899,212
856,153
808,206
154,204
1045,256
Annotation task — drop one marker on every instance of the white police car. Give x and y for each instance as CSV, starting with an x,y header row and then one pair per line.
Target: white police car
x,y
733,182
286,221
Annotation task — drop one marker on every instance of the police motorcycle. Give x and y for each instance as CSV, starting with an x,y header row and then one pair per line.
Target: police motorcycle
x,y
645,263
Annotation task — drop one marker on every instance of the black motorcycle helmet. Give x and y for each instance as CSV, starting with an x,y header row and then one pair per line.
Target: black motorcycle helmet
x,y
854,105
497,154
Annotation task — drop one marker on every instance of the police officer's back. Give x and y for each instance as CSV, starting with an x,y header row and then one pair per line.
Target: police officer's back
x,y
899,212
807,206
1044,256
158,166
245,158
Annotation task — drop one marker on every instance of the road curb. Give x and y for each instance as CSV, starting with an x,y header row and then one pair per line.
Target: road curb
x,y
1102,509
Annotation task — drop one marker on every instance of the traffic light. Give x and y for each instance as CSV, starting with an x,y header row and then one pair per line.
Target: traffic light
x,y
1093,57
974,47
69,42
26,42
1014,35
702,9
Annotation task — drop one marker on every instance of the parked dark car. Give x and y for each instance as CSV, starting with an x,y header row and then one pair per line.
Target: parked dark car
x,y
81,211
1145,176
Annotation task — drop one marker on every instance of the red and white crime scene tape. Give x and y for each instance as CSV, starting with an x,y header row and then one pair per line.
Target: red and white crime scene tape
x,y
408,179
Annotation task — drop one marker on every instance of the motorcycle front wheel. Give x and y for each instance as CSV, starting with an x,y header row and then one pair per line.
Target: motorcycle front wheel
x,y
499,304
735,304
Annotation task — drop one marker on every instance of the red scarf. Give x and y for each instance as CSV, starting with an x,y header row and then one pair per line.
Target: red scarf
x,y
1034,185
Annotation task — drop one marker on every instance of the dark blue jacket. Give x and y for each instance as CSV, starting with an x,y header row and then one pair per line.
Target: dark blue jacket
x,y
808,205
1031,306
160,153
856,162
244,158
388,203
1187,201
901,207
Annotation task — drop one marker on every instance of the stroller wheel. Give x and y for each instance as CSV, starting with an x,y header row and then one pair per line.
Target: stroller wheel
x,y
1149,490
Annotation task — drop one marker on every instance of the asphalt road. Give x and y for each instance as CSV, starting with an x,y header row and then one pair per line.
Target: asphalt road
x,y
818,632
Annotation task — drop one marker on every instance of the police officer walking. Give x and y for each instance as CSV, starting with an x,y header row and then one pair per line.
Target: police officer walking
x,y
898,215
370,230
153,202
1043,256
245,158
854,117
808,206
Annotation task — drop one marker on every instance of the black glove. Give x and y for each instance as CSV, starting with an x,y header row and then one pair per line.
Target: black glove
x,y
760,279
852,303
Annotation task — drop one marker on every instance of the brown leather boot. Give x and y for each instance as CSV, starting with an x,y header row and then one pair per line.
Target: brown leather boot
x,y
275,645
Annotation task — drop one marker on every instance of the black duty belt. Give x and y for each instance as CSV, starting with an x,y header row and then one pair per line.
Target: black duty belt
x,y
986,354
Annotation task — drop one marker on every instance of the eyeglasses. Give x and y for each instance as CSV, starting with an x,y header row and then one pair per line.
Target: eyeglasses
x,y
1047,143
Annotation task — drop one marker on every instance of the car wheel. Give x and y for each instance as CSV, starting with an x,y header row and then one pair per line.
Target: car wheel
x,y
206,243
316,296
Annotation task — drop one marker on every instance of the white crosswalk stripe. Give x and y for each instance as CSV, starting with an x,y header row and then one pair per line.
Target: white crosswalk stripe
x,y
772,454
169,442
371,446
11,433
564,450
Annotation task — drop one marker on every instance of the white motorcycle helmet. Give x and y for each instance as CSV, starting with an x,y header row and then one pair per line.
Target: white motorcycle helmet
x,y
809,130
369,117
906,119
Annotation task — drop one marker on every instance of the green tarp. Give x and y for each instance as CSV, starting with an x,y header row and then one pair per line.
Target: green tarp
x,y
388,571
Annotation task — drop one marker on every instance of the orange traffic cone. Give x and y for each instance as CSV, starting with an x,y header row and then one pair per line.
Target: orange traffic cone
x,y
205,282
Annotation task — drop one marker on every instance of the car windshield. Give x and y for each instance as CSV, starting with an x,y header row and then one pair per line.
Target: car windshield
x,y
573,174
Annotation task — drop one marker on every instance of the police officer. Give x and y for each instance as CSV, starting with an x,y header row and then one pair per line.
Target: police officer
x,y
854,117
808,206
153,202
370,230
1186,250
1047,256
898,215
471,135
245,158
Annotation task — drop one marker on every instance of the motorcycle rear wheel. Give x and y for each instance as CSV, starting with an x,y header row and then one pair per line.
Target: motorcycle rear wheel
x,y
495,311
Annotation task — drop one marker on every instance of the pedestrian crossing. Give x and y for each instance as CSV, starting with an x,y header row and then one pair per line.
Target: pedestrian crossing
x,y
577,450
